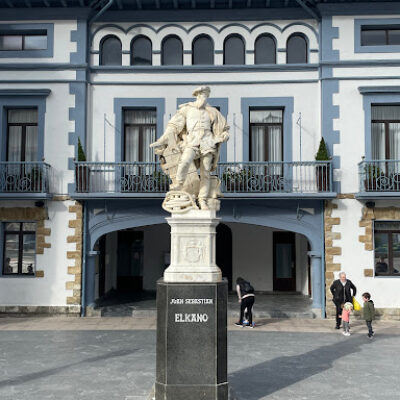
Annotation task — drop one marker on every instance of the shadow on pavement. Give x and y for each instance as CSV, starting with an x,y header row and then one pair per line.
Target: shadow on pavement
x,y
54,371
263,379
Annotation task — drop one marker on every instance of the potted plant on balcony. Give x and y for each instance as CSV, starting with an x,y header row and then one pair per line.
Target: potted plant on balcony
x,y
372,179
323,171
82,172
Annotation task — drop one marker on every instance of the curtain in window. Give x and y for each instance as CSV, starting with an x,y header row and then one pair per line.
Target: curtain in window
x,y
266,116
31,143
257,143
394,141
139,135
378,141
385,113
275,144
23,116
14,143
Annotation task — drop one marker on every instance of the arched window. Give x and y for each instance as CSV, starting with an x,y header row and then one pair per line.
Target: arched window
x,y
110,51
172,51
296,49
265,50
203,50
234,50
141,51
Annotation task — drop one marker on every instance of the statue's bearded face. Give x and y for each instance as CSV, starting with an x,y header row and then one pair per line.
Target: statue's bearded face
x,y
201,99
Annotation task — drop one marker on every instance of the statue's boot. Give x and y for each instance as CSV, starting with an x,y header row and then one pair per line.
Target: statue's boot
x,y
176,186
203,204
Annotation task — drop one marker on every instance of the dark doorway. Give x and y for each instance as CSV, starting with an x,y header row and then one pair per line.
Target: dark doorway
x,y
130,261
224,252
284,261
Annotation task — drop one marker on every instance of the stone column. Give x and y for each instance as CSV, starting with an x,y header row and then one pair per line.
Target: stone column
x,y
316,281
193,251
90,278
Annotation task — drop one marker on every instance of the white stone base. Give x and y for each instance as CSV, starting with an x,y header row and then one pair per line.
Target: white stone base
x,y
193,247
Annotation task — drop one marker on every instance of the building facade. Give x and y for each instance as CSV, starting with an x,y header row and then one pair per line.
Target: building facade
x,y
86,86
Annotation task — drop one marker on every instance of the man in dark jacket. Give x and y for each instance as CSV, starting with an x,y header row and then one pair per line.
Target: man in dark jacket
x,y
341,290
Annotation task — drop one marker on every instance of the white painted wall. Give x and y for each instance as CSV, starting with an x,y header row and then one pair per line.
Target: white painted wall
x,y
354,258
49,290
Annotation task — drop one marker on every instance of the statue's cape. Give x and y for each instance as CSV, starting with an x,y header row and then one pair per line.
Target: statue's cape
x,y
218,126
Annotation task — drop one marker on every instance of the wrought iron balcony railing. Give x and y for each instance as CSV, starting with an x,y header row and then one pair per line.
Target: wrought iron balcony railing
x,y
24,177
379,176
262,178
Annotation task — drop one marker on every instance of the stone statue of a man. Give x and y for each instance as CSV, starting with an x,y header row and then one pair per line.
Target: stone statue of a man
x,y
192,141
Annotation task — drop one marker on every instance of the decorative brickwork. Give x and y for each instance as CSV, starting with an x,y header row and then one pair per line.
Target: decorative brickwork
x,y
369,215
37,214
368,272
76,255
330,252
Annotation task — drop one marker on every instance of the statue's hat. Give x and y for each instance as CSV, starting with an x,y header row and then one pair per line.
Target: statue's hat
x,y
201,89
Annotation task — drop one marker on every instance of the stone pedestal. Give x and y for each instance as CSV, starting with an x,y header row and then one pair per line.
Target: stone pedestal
x,y
193,247
191,341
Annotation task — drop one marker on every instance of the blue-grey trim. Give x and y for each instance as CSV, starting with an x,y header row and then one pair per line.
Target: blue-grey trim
x,y
126,52
128,69
78,115
79,36
24,92
156,51
15,100
361,8
123,103
222,103
29,28
41,66
377,195
230,196
314,50
329,86
187,51
186,83
282,50
123,214
61,13
359,23
286,103
218,52
368,100
379,89
250,51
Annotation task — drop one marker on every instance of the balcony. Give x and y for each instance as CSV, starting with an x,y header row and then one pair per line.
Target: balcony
x,y
379,178
306,179
24,180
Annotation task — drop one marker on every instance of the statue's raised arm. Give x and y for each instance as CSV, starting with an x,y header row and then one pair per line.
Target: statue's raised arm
x,y
190,143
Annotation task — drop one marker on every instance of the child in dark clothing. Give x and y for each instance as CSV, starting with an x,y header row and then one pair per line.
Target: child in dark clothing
x,y
368,313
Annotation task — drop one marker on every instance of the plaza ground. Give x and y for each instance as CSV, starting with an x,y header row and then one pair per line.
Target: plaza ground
x,y
114,358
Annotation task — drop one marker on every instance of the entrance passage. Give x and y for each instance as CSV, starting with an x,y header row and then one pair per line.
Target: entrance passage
x,y
284,261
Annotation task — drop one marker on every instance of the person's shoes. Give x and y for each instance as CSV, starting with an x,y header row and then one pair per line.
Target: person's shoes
x,y
348,333
344,333
337,327
370,336
373,333
239,324
245,321
250,326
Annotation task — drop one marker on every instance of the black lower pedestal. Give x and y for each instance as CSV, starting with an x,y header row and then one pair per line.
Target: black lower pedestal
x,y
191,341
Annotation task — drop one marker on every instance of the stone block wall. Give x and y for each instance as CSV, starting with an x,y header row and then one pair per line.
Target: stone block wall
x,y
75,256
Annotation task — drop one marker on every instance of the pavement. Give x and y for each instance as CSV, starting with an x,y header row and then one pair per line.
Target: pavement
x,y
114,358
267,305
